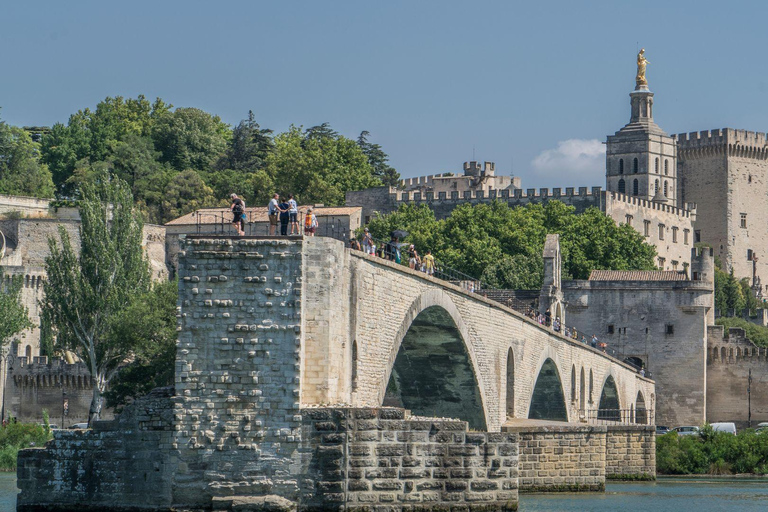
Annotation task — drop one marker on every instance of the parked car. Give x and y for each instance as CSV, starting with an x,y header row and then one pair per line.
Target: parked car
x,y
687,430
726,426
78,426
661,430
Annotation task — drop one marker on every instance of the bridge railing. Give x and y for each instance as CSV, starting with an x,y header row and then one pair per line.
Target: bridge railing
x,y
620,417
220,223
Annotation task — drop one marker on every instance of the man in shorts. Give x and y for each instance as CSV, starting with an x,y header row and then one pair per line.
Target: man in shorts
x,y
238,214
310,223
273,212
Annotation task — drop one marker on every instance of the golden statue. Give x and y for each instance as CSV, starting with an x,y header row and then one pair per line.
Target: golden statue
x,y
641,63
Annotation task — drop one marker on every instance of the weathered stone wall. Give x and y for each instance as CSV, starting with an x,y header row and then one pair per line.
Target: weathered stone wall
x,y
27,206
630,452
561,457
729,361
368,458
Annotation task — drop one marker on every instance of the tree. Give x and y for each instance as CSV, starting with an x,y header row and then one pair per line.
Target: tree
x,y
148,324
190,138
21,172
249,146
86,291
185,193
14,316
518,272
378,160
318,166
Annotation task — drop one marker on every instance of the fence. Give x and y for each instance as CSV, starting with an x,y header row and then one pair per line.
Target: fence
x,y
620,416
220,223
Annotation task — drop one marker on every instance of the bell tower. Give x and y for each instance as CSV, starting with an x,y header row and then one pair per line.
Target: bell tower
x,y
641,159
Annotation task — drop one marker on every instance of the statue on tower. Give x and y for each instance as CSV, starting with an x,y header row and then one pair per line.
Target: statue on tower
x,y
641,63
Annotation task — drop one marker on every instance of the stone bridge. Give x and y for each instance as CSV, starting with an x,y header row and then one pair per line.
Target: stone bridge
x,y
379,333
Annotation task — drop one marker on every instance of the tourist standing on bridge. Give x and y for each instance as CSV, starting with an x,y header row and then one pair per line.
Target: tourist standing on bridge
x,y
310,223
367,242
273,210
285,217
238,214
293,214
429,263
414,262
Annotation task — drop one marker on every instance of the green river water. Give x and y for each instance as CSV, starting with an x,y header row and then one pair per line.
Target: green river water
x,y
666,495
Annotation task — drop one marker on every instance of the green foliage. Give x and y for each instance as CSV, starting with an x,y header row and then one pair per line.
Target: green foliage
x,y
17,436
148,324
249,146
503,245
21,172
318,166
85,291
378,160
190,138
186,192
14,316
757,334
712,452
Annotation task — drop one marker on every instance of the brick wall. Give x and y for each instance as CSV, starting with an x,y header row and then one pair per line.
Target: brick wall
x,y
630,452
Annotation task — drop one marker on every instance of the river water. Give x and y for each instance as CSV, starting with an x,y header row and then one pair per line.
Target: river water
x,y
666,495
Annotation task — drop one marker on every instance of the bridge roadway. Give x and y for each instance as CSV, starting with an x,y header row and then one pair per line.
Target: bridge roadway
x,y
376,332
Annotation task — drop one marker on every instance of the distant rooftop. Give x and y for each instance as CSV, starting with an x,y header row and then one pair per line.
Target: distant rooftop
x,y
255,214
637,275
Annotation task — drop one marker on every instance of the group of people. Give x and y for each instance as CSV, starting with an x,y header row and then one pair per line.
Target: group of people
x,y
285,213
391,251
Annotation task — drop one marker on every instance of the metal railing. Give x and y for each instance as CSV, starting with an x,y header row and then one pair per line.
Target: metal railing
x,y
220,223
619,416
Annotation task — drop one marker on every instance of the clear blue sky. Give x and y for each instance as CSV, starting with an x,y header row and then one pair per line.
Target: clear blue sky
x,y
429,80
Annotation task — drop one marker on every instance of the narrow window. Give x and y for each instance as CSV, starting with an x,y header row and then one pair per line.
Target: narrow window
x,y
621,166
685,236
666,189
610,329
749,254
634,188
674,264
744,220
622,187
661,263
666,167
629,220
635,166
670,329
656,187
661,231
657,165
354,365
696,276
674,234
646,228
697,236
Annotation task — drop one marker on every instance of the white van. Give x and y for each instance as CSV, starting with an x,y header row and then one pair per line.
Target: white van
x,y
724,427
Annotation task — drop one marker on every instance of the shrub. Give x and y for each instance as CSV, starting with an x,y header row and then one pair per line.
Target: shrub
x,y
17,436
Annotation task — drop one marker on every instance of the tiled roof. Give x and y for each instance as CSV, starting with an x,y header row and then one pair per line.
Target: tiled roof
x,y
255,214
637,275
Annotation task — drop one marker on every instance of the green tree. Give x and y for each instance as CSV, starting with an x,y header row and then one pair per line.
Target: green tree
x,y
190,138
87,289
318,166
21,172
148,324
14,316
518,272
249,146
186,192
378,160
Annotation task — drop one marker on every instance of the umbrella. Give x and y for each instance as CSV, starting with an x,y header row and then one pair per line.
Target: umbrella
x,y
399,234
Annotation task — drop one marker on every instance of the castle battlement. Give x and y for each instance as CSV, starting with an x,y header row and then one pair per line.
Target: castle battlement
x,y
643,203
742,143
418,181
531,194
55,372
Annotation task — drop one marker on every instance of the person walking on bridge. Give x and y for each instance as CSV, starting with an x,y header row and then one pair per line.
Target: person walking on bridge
x,y
238,214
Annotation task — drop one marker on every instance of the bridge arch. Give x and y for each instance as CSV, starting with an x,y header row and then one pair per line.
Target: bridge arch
x,y
548,398
510,383
432,368
609,406
641,413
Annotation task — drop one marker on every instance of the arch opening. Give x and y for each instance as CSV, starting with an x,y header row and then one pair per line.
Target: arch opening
x,y
510,384
433,374
641,413
548,399
609,408
581,392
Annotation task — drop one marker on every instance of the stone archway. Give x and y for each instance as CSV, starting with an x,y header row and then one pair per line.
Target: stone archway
x,y
641,412
548,399
609,406
432,369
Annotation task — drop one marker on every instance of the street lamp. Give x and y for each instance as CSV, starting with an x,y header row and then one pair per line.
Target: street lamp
x,y
749,399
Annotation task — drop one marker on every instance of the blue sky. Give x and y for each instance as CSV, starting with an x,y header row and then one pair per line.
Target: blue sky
x,y
533,86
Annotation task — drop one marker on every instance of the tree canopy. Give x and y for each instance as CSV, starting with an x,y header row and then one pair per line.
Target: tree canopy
x,y
503,245
21,172
14,316
88,289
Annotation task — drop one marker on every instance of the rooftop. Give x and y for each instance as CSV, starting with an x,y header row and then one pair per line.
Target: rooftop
x,y
255,214
637,275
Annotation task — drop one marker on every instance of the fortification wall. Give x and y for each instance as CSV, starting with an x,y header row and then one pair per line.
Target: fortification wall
x,y
27,206
668,228
630,452
372,200
729,361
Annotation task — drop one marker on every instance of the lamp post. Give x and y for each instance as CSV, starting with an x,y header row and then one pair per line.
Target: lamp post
x,y
749,399
64,405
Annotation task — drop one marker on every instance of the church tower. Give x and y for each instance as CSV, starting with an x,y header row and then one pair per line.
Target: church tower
x,y
641,159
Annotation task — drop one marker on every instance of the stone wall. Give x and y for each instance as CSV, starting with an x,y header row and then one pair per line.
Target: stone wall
x,y
561,457
27,206
630,452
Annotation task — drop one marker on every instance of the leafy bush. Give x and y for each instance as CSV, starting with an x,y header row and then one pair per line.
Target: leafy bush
x,y
757,334
16,436
712,452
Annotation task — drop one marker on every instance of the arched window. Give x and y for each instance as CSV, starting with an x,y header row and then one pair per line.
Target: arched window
x,y
666,167
621,166
510,384
657,165
656,187
622,186
666,188
581,390
635,166
28,353
635,187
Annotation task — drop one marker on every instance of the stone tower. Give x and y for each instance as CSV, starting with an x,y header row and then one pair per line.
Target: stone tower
x,y
641,159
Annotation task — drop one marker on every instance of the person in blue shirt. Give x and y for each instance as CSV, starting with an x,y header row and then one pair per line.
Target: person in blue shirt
x,y
284,208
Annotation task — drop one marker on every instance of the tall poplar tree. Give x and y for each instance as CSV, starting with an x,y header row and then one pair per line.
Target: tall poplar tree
x,y
14,316
87,289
